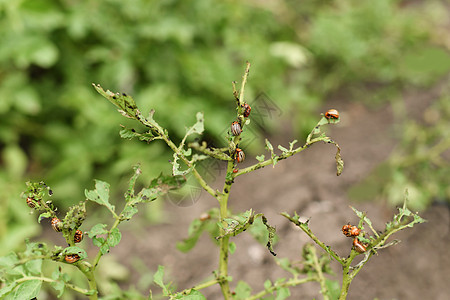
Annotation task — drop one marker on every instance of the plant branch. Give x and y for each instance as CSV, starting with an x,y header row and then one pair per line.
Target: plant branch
x,y
212,152
305,228
244,81
316,265
224,242
89,273
291,282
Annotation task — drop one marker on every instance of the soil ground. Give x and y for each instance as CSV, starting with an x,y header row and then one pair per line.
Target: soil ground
x,y
417,268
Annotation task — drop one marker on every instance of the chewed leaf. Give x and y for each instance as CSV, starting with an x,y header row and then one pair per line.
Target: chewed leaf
x,y
44,216
260,158
127,133
176,171
237,224
291,145
271,236
269,146
358,213
196,229
283,149
339,161
123,102
100,195
98,229
114,238
198,127
272,153
75,250
316,130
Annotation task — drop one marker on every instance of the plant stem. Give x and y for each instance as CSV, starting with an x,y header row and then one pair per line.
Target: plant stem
x,y
205,284
244,81
305,228
270,161
99,253
223,267
224,242
89,273
347,275
197,175
290,282
318,268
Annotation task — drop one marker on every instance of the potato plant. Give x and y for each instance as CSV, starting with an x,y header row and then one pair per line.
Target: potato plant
x,y
22,274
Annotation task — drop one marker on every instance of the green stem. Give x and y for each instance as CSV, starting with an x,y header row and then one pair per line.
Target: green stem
x,y
212,152
205,284
270,161
99,253
223,267
305,228
89,273
197,175
318,268
197,287
224,242
290,282
244,81
347,275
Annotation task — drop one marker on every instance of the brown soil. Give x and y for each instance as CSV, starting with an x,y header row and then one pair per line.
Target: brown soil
x,y
417,268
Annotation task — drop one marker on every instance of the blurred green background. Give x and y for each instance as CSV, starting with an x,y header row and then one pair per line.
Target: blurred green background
x,y
179,57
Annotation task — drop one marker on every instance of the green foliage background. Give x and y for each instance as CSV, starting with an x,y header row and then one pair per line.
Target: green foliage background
x,y
178,57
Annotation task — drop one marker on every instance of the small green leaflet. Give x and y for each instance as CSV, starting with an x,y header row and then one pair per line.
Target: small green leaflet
x,y
284,150
114,238
158,278
243,291
111,240
100,195
237,224
283,293
333,287
196,229
292,144
272,153
267,284
44,216
97,230
232,247
59,285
